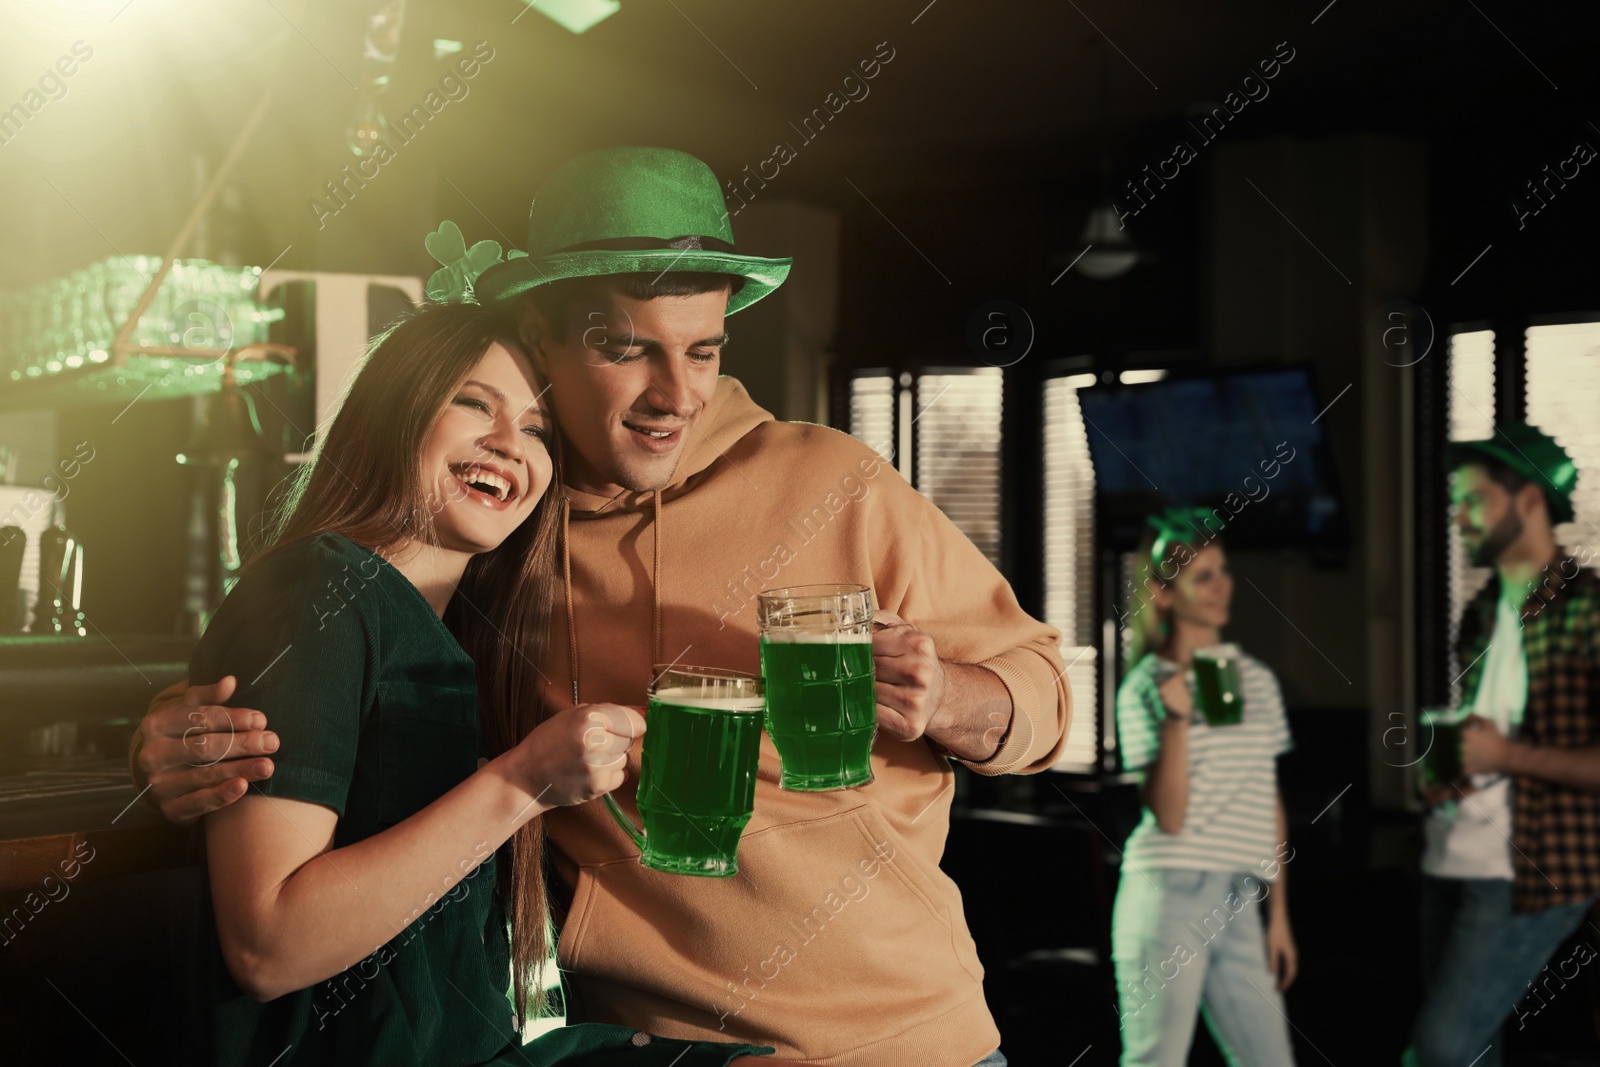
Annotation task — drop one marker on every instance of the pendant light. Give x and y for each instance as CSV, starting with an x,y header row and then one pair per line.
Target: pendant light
x,y
1111,252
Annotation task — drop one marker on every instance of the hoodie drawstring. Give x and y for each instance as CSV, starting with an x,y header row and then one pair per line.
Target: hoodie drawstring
x,y
566,576
655,588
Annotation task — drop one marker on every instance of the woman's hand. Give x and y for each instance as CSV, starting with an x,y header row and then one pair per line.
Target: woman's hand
x,y
577,754
1283,958
1175,695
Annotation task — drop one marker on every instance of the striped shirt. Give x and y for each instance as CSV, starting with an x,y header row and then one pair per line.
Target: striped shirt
x,y
1230,823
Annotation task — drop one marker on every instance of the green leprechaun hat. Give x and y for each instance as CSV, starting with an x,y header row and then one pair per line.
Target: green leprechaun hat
x,y
1530,452
627,211
1178,525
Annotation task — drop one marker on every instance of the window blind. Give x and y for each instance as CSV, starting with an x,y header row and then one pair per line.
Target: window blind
x,y
1563,400
872,413
1471,384
1069,568
957,428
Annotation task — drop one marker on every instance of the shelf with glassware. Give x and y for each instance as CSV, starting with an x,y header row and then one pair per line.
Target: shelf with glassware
x,y
136,327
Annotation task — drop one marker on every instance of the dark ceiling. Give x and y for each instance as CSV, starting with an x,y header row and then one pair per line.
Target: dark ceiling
x,y
975,96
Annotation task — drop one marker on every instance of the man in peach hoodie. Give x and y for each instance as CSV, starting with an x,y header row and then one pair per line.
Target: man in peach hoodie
x,y
840,941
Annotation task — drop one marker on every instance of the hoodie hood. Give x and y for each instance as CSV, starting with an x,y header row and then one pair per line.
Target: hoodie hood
x,y
728,417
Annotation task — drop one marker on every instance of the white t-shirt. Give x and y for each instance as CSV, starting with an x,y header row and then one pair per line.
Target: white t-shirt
x,y
1470,837
1231,823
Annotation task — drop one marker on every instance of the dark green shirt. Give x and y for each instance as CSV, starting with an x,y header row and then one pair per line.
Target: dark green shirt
x,y
375,705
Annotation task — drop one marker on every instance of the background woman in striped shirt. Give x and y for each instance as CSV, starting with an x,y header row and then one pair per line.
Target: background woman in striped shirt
x,y
1187,931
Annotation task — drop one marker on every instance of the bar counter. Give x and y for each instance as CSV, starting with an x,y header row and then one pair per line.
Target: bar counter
x,y
70,707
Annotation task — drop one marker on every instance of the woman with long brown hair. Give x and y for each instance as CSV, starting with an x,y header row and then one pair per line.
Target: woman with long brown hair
x,y
362,900
1187,929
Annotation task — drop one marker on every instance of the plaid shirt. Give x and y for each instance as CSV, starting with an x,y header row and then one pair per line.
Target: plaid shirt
x,y
1555,828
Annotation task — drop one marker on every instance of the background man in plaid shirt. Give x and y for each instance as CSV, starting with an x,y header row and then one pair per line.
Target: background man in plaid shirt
x,y
1512,860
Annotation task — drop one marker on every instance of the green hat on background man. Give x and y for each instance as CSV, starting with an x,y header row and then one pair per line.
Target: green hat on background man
x,y
629,211
1531,453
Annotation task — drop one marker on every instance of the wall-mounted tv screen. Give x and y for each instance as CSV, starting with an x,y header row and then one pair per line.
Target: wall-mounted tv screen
x,y
1247,444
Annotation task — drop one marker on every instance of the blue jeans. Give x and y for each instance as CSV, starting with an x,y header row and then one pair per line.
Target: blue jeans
x,y
1189,942
1478,957
993,1059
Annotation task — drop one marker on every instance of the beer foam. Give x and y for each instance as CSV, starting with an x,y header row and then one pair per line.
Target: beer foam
x,y
688,697
814,637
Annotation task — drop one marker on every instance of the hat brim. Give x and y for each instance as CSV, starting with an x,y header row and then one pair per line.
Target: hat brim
x,y
1461,453
503,281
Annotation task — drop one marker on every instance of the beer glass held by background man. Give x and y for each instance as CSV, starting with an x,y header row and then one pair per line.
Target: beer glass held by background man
x,y
840,939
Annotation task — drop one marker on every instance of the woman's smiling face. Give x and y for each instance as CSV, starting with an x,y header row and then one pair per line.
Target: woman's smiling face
x,y
486,464
1203,591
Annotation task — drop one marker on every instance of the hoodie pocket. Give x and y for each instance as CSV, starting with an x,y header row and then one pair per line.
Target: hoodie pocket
x,y
937,890
905,864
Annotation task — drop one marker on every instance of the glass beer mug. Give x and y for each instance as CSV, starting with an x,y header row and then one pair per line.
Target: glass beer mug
x,y
816,660
1442,736
697,770
1216,684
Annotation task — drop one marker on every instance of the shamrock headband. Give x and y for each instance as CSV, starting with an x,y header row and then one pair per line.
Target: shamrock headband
x,y
460,265
1176,526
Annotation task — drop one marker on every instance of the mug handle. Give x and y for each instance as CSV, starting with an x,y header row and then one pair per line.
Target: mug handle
x,y
634,833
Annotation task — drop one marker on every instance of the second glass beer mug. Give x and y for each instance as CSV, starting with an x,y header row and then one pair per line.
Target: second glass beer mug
x,y
816,661
697,771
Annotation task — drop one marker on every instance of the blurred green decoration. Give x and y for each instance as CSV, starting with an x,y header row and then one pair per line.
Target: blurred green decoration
x,y
460,265
575,15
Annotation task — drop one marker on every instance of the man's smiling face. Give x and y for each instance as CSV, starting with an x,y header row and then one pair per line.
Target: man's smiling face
x,y
1485,515
628,381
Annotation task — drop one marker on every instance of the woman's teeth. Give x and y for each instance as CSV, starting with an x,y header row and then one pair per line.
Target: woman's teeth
x,y
484,482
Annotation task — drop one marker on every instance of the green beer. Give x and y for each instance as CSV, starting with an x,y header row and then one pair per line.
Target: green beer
x,y
1442,758
821,708
1216,677
697,771
816,661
